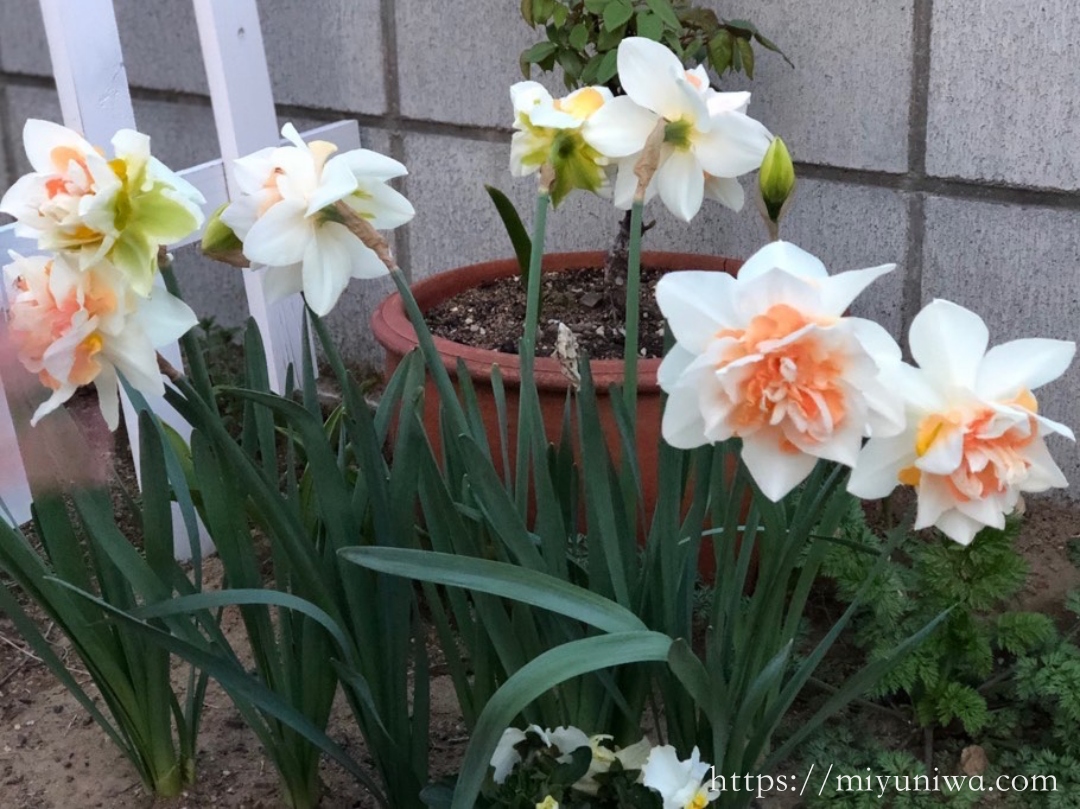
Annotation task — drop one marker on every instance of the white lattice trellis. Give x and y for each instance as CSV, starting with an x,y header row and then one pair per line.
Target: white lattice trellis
x,y
95,99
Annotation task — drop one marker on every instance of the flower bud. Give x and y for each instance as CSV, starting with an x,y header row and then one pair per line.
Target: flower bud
x,y
220,243
776,179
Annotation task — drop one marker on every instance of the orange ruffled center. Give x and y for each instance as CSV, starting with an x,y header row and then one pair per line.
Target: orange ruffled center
x,y
39,321
796,385
992,459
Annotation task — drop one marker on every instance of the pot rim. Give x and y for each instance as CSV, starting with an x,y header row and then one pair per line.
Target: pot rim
x,y
395,333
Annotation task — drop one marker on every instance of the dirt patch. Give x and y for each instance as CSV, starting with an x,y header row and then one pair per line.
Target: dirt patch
x,y
492,315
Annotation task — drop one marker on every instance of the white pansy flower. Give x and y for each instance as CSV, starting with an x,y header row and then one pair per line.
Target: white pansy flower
x,y
681,784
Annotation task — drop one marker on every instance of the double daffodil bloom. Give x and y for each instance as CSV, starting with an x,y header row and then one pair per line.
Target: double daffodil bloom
x,y
549,130
73,327
708,138
289,220
120,210
769,357
974,439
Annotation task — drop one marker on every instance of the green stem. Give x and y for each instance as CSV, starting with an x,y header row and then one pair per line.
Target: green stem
x,y
633,310
445,386
532,306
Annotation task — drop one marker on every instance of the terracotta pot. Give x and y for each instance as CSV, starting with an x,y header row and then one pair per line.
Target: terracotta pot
x,y
396,334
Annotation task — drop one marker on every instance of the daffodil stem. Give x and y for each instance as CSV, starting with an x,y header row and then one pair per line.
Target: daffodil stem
x,y
633,309
532,305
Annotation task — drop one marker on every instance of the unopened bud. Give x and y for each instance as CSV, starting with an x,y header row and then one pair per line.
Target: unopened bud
x,y
221,244
776,179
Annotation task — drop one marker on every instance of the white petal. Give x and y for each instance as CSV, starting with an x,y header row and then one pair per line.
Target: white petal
x,y
505,757
946,451
934,499
773,287
382,206
672,367
41,137
108,393
366,164
727,102
734,144
838,291
958,526
289,133
619,128
337,182
948,341
58,397
525,95
696,305
725,190
253,171
681,184
683,426
1044,472
332,258
784,255
626,183
985,511
568,739
775,471
647,72
876,470
165,318
281,236
136,361
1012,367
281,282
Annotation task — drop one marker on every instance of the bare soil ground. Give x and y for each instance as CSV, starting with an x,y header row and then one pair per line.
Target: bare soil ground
x,y
52,755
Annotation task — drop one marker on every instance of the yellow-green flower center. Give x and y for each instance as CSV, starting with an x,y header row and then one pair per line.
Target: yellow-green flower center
x,y
678,133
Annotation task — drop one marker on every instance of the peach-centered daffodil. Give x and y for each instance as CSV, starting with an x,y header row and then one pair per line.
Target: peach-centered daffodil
x,y
120,210
288,218
75,327
681,784
548,130
708,138
974,439
769,357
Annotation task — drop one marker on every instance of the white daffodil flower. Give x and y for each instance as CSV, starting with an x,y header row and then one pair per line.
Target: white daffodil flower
x,y
288,222
681,784
120,210
707,135
74,327
548,130
770,357
974,439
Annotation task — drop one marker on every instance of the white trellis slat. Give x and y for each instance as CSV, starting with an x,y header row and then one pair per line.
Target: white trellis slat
x,y
92,84
239,80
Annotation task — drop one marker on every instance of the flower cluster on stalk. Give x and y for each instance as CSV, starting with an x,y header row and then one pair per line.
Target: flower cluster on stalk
x,y
88,310
594,141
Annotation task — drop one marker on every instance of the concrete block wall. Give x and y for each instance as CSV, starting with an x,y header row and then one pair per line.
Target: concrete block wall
x,y
937,135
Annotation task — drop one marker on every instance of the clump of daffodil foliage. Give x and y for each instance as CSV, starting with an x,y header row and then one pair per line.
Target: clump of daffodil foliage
x,y
582,37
